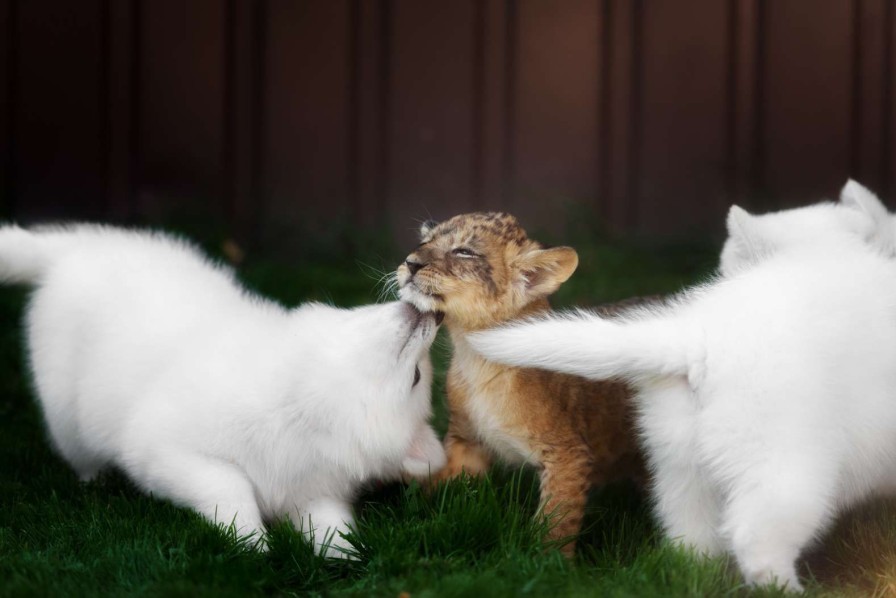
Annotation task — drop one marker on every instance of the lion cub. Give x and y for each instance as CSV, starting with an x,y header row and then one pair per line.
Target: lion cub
x,y
482,270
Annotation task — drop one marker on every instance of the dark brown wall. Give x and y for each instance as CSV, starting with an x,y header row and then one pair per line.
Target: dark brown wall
x,y
271,116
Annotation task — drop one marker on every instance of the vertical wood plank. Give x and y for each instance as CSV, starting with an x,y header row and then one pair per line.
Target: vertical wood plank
x,y
369,111
181,110
868,100
493,88
306,104
604,31
135,129
58,154
120,87
623,113
243,82
511,77
683,116
431,140
7,87
807,96
555,141
743,99
476,158
888,102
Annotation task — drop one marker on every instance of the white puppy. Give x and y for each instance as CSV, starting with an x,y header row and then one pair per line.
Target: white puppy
x,y
764,399
148,357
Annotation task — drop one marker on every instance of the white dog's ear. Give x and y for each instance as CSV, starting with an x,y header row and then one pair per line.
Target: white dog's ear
x,y
855,195
540,272
426,228
740,222
744,233
882,233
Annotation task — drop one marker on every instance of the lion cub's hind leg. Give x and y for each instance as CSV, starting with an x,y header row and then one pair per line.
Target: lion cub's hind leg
x,y
565,481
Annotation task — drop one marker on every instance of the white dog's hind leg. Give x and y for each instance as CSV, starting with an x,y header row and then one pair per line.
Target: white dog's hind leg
x,y
770,520
688,508
60,406
323,522
685,501
218,490
66,438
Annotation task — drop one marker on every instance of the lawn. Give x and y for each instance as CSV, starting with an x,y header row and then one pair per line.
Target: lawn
x,y
469,538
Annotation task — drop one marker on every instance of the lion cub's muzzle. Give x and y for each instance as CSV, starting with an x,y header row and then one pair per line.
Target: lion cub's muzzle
x,y
413,293
413,266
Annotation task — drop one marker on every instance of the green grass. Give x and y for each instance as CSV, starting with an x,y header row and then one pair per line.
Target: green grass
x,y
469,538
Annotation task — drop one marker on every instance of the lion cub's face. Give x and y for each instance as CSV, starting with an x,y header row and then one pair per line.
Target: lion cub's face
x,y
480,269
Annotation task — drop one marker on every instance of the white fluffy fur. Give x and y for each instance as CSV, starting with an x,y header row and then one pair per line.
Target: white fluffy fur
x,y
765,398
751,238
148,357
861,198
859,213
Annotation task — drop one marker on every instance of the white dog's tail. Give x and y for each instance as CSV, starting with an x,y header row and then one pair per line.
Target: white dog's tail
x,y
24,255
590,346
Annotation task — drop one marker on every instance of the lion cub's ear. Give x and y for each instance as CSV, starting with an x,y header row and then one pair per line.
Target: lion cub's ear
x,y
540,272
426,228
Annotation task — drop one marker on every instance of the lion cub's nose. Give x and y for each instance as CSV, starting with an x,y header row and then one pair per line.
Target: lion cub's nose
x,y
413,266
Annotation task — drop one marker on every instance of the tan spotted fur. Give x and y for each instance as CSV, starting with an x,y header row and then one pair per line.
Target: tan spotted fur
x,y
482,270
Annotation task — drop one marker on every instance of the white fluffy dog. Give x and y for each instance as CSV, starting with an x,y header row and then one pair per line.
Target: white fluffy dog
x,y
148,357
765,398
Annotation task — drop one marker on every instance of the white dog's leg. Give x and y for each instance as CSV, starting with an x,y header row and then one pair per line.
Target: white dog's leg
x,y
770,520
688,508
684,500
60,413
426,455
218,490
322,522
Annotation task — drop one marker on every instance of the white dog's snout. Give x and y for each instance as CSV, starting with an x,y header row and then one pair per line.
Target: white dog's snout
x,y
409,313
416,318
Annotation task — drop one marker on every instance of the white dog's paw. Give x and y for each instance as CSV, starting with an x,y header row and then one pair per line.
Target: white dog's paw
x,y
337,548
325,524
426,456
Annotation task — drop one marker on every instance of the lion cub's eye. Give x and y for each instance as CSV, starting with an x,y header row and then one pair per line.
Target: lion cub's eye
x,y
463,252
416,376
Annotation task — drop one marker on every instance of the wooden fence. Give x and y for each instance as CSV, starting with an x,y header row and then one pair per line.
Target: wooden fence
x,y
650,115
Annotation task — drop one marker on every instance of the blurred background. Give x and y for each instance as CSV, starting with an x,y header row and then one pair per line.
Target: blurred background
x,y
275,122
306,140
